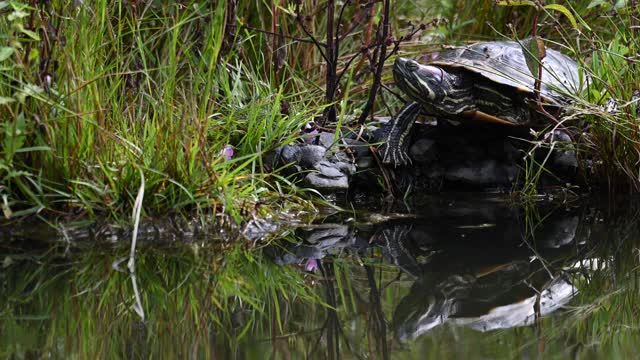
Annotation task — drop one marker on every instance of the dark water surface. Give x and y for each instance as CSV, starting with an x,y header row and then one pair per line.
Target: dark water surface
x,y
453,277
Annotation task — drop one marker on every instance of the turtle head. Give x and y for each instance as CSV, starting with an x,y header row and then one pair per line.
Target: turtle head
x,y
436,89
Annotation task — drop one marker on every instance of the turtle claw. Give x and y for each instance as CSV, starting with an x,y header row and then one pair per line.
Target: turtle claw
x,y
396,136
395,157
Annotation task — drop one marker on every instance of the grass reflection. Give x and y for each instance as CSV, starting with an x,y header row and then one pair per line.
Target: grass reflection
x,y
199,302
232,300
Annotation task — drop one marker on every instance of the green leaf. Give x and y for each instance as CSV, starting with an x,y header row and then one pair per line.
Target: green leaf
x,y
18,14
619,4
14,137
33,148
583,23
5,52
565,11
28,90
595,3
534,51
34,54
32,34
517,3
6,100
6,210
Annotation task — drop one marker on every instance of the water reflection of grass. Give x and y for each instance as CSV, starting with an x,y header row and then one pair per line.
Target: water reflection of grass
x,y
198,303
230,301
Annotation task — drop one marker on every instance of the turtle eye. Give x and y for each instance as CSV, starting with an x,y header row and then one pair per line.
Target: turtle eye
x,y
412,66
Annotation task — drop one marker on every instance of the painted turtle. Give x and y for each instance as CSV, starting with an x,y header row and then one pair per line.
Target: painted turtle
x,y
487,81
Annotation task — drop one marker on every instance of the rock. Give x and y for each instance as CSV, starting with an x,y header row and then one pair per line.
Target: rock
x,y
346,167
342,156
304,155
364,162
423,151
443,157
563,160
323,183
486,172
358,148
327,140
564,156
328,169
330,176
511,152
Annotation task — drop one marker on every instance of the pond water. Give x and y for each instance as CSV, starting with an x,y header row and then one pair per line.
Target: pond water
x,y
449,277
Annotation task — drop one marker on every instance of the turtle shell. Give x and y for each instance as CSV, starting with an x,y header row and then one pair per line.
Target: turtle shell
x,y
504,63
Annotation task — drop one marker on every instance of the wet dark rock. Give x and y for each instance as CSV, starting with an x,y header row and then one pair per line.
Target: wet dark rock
x,y
305,155
564,157
443,157
330,175
320,182
327,140
328,170
325,167
423,151
558,232
482,172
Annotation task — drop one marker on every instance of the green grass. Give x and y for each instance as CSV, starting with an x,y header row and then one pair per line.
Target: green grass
x,y
97,95
139,90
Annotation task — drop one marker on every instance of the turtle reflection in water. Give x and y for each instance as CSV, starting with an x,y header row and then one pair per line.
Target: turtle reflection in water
x,y
470,264
500,288
484,82
503,297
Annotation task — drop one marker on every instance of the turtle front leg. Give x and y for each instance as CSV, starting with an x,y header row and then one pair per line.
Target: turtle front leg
x,y
396,135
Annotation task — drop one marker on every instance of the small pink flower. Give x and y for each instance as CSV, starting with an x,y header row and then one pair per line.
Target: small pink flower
x,y
227,152
312,265
311,136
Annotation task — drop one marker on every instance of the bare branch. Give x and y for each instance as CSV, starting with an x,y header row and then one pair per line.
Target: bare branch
x,y
321,46
380,65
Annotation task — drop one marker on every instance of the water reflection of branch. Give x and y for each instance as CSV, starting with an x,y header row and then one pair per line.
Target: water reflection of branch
x,y
131,265
137,306
331,327
137,209
392,281
332,323
530,228
380,326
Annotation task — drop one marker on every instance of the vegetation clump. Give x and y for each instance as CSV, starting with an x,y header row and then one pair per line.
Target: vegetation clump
x,y
176,103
